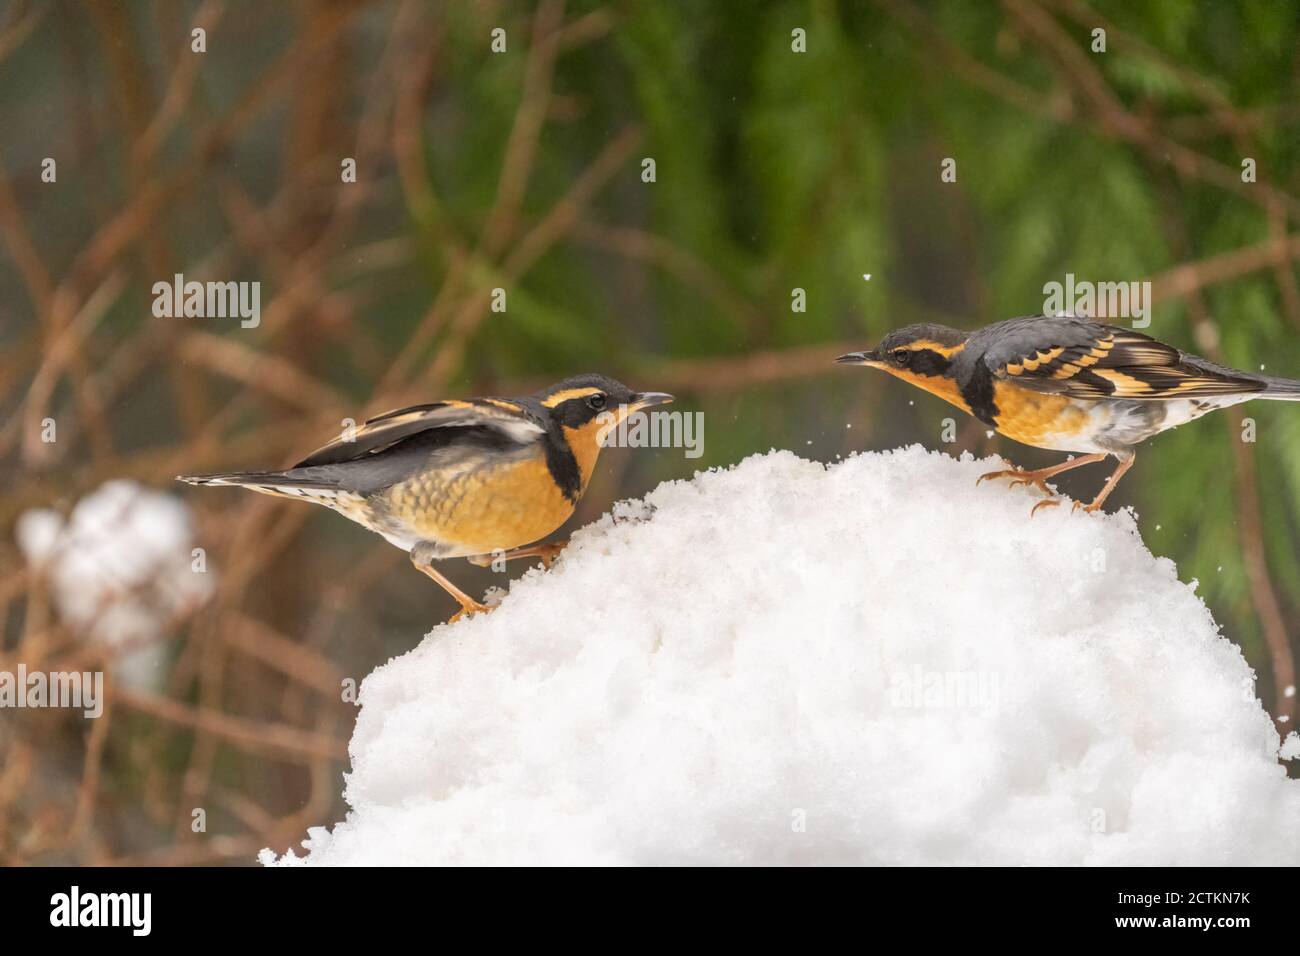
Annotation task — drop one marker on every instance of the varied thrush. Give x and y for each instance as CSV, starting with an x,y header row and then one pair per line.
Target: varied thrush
x,y
478,479
1067,383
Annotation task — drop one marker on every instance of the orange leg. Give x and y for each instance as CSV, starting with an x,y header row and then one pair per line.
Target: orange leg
x,y
1039,478
1095,505
467,604
547,552
1124,465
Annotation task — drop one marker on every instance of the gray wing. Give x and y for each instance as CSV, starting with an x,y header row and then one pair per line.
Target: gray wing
x,y
1084,359
509,421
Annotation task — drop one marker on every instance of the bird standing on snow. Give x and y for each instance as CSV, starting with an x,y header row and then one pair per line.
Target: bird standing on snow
x,y
463,478
1067,383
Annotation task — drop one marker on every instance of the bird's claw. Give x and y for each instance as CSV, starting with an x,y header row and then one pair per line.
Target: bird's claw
x,y
467,610
1074,506
1017,477
1046,503
549,554
546,553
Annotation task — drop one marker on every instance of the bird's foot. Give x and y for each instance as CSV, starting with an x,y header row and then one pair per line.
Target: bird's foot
x,y
550,552
467,604
1088,509
473,607
547,552
1018,477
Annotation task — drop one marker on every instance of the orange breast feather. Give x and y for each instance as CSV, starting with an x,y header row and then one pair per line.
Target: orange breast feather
x,y
481,510
1037,418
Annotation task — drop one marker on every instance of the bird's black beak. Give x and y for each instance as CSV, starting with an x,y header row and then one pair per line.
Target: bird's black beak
x,y
856,358
642,400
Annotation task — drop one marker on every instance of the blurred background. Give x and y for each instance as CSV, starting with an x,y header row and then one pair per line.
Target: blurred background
x,y
775,168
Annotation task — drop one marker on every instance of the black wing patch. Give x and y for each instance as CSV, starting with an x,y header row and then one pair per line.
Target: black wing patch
x,y
509,419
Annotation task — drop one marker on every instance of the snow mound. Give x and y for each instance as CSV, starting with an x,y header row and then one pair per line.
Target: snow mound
x,y
120,568
792,663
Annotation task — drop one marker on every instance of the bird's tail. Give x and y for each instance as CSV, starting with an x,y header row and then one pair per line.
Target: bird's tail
x,y
1281,389
284,484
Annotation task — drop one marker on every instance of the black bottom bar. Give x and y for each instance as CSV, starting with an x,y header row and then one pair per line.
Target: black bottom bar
x,y
322,908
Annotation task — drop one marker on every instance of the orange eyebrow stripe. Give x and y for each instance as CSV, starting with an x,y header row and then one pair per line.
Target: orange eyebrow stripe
x,y
552,400
947,351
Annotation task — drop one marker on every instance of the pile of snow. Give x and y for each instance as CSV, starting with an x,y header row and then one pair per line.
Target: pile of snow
x,y
790,663
120,568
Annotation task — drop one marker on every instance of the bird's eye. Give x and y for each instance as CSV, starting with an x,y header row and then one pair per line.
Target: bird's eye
x,y
596,402
901,355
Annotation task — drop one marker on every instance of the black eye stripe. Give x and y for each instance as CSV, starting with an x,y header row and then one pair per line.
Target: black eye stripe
x,y
927,362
